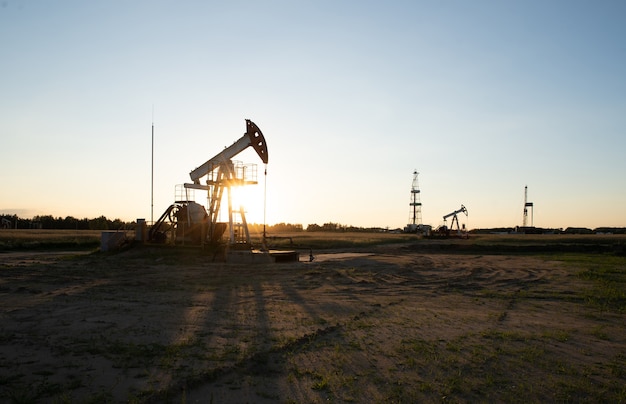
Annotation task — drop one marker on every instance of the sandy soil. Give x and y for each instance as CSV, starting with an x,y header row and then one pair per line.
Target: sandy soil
x,y
386,324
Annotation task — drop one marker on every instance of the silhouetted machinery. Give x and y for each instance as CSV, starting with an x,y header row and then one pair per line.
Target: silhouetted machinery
x,y
445,231
188,222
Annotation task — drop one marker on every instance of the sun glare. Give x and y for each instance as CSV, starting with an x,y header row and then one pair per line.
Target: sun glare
x,y
251,198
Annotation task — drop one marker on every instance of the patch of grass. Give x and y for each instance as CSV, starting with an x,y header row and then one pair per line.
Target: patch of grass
x,y
556,335
607,273
39,390
504,335
327,240
29,239
618,367
598,332
422,348
321,382
131,355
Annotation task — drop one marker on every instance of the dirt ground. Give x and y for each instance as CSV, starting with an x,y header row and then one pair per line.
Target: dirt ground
x,y
382,324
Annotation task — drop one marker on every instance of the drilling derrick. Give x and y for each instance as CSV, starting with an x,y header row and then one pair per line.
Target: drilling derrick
x,y
415,214
526,206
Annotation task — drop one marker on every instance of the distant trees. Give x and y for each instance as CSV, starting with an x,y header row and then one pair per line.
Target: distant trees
x,y
336,227
8,221
286,227
327,227
60,223
598,230
540,230
103,223
276,228
611,230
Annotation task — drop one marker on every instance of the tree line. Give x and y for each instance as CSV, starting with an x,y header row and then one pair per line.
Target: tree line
x,y
326,227
50,222
63,223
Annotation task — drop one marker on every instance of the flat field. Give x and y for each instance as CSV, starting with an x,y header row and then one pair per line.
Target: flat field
x,y
373,318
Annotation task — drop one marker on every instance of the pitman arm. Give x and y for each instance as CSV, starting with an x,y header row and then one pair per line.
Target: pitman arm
x,y
253,137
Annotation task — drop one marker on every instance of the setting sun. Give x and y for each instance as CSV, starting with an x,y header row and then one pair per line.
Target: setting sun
x,y
250,197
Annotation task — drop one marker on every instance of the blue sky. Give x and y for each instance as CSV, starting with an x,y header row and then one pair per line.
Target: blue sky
x,y
481,97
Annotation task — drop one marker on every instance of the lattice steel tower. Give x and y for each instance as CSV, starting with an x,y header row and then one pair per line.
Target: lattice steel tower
x,y
526,206
415,214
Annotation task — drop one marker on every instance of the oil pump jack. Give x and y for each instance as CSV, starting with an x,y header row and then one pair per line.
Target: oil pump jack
x,y
445,231
189,221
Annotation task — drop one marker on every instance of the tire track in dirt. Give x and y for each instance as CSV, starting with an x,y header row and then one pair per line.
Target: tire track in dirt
x,y
435,274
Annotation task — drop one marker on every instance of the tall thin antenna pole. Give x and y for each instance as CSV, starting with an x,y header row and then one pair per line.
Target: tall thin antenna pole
x,y
264,204
152,173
